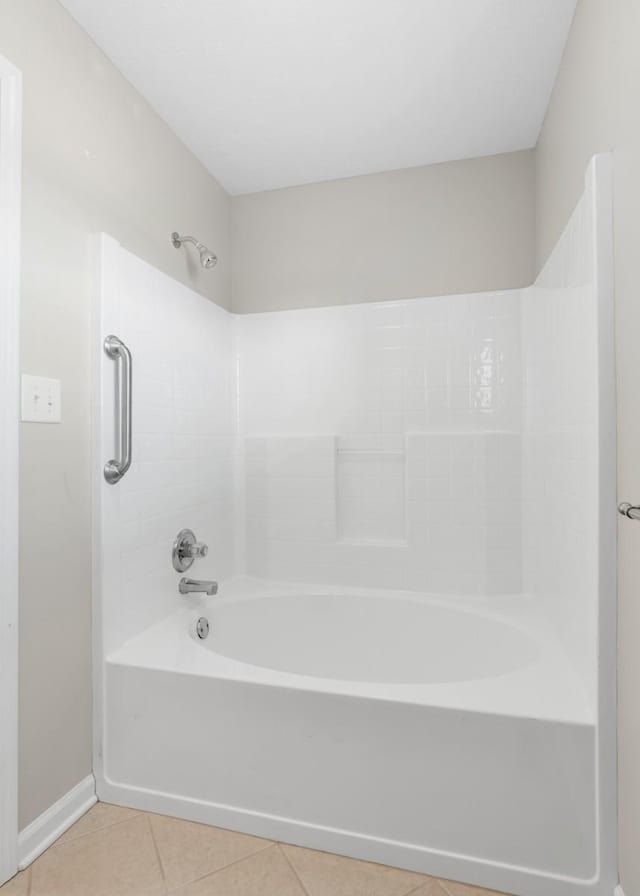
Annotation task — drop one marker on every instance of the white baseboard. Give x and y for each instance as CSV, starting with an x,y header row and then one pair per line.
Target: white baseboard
x,y
45,830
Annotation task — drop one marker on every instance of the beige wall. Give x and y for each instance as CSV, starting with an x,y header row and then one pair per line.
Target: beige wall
x,y
457,227
594,107
95,158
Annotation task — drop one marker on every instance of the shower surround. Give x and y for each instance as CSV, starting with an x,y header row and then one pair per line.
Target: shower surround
x,y
411,657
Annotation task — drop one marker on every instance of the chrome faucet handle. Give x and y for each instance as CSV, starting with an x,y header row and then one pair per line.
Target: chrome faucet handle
x,y
186,549
197,549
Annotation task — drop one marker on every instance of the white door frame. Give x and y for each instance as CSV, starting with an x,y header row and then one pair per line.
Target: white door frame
x,y
10,200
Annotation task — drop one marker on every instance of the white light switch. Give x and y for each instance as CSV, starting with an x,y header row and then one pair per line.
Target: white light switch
x,y
41,399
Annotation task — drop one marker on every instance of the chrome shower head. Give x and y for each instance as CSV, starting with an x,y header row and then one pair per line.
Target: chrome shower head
x,y
207,258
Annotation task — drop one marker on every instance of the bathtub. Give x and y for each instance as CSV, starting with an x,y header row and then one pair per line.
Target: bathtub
x,y
446,736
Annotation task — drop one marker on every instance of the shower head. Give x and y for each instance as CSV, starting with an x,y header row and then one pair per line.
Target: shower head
x,y
207,258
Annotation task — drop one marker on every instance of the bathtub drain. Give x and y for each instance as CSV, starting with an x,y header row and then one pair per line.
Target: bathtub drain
x,y
202,627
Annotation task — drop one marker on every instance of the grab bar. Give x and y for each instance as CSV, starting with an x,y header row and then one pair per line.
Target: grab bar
x,y
631,511
115,349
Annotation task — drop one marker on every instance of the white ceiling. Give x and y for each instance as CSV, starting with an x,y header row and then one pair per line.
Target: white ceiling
x,y
270,93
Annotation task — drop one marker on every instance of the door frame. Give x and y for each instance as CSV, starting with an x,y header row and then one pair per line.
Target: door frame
x,y
10,202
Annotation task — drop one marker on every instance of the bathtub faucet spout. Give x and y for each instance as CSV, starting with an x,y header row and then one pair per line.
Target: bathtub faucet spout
x,y
193,586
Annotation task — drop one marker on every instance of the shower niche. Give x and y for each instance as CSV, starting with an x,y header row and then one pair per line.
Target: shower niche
x,y
370,491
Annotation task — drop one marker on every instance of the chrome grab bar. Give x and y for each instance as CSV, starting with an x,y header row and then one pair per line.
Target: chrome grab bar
x,y
115,349
631,511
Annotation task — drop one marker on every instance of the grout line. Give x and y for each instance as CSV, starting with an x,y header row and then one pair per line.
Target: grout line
x,y
155,846
30,883
224,867
112,824
293,868
427,880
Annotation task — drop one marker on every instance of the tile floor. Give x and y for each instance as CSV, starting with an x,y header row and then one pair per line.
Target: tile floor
x,y
113,851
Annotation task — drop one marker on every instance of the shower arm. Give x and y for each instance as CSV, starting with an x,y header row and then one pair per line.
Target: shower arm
x,y
178,240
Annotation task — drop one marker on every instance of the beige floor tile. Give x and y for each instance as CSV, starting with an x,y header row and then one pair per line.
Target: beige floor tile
x,y
455,888
119,860
102,815
266,873
432,887
18,885
324,874
189,851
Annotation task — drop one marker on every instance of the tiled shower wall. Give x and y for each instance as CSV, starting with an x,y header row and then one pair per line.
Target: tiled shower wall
x,y
184,413
381,444
442,444
560,438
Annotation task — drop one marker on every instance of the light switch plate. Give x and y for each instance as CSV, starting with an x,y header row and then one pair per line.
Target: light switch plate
x,y
41,402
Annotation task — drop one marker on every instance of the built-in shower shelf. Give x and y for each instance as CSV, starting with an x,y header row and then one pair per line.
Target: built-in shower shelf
x,y
370,486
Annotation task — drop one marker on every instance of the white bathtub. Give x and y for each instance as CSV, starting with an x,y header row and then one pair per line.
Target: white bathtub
x,y
367,638
449,738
